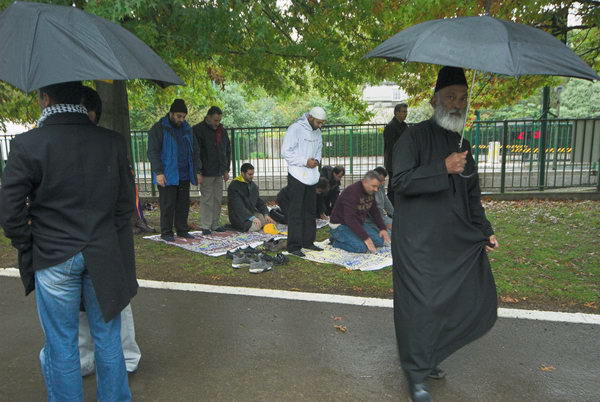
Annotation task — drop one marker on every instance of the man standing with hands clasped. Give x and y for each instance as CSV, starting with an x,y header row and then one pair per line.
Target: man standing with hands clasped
x,y
301,149
444,290
175,161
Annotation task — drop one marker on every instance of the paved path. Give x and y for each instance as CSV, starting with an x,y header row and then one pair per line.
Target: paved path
x,y
216,347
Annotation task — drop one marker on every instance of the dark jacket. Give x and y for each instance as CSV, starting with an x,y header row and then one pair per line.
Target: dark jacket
x,y
353,207
81,198
283,202
392,131
216,158
163,151
243,202
327,200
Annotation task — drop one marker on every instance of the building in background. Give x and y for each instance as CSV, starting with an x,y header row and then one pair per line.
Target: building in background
x,y
382,99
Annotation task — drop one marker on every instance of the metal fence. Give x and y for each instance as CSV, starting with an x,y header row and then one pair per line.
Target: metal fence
x,y
511,155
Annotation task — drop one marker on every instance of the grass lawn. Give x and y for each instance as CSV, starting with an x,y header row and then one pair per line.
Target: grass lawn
x,y
549,259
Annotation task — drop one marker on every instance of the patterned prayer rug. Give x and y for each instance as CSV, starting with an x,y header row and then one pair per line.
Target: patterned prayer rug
x,y
217,244
353,261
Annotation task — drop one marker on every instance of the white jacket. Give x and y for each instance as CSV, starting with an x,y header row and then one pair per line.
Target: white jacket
x,y
301,143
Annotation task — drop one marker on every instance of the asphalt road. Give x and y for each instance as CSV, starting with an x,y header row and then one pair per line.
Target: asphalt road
x,y
215,347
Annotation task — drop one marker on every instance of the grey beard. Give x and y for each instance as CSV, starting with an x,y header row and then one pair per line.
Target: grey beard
x,y
445,120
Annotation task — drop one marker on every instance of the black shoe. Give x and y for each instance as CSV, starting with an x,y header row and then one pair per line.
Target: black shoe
x,y
297,253
314,248
437,374
220,229
185,235
420,393
206,231
279,259
167,237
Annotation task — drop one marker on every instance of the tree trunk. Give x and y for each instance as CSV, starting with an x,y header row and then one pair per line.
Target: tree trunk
x,y
115,109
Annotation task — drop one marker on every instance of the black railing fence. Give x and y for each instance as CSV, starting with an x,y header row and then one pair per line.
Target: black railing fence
x,y
511,155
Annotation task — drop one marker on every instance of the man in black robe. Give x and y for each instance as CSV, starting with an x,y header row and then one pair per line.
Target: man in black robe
x,y
444,291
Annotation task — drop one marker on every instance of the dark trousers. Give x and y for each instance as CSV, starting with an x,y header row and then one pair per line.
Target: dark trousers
x,y
302,228
390,191
174,207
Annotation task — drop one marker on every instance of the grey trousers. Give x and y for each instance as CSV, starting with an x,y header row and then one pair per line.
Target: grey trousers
x,y
131,349
211,195
256,227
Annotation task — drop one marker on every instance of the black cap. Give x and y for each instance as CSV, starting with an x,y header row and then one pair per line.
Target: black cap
x,y
178,106
450,76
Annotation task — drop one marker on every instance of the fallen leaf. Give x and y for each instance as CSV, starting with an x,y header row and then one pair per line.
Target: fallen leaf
x,y
295,289
591,305
215,277
336,318
508,299
547,368
341,328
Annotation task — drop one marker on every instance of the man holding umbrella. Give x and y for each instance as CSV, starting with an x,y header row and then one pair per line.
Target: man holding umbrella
x,y
66,203
444,291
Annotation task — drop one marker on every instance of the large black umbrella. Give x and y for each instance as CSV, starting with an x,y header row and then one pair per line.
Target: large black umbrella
x,y
44,44
485,44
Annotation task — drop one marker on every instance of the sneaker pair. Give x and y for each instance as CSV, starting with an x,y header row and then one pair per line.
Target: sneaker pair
x,y
256,262
279,259
274,245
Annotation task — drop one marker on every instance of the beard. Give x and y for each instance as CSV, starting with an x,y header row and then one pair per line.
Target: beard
x,y
448,119
175,124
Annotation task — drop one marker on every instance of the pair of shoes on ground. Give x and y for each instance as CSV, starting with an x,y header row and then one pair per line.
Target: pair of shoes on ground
x,y
300,253
171,238
279,259
220,229
275,245
419,392
256,262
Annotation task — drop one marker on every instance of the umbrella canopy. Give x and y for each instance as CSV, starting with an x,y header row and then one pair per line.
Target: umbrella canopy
x,y
44,44
485,44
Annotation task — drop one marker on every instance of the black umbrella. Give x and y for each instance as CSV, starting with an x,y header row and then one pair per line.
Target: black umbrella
x,y
485,44
45,44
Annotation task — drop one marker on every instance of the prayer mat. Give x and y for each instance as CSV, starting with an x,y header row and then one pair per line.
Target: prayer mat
x,y
218,243
352,261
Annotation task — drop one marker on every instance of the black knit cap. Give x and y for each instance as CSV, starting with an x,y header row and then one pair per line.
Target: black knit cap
x,y
450,76
178,106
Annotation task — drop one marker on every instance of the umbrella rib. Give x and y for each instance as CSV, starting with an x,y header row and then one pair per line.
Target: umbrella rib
x,y
37,23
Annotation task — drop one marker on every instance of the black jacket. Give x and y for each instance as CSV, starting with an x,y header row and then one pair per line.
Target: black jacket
x,y
243,202
66,188
392,131
326,201
215,159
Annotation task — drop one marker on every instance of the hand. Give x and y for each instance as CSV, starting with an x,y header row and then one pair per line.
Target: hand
x,y
370,245
256,220
494,241
312,163
161,180
270,220
456,161
384,235
324,217
199,178
225,176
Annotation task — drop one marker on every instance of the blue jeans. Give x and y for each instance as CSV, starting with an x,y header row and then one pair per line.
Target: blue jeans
x,y
343,237
58,294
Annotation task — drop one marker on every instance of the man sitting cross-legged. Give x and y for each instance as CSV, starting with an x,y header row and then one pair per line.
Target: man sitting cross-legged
x,y
247,211
348,228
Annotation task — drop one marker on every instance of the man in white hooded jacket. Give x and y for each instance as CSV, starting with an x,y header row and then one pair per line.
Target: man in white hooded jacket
x,y
301,148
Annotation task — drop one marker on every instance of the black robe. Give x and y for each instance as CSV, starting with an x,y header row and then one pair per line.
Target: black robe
x,y
444,291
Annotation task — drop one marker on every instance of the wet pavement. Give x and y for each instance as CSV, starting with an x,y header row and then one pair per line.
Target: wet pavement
x,y
215,347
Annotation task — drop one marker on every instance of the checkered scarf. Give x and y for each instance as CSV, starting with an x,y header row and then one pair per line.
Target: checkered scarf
x,y
60,108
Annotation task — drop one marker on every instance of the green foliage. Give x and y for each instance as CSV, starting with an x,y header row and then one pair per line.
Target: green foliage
x,y
289,49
